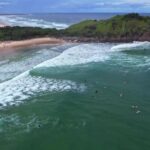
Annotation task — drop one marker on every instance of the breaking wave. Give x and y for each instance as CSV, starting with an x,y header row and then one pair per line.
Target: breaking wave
x,y
132,46
14,20
26,85
80,54
14,91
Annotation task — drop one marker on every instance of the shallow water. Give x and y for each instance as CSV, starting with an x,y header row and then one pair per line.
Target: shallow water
x,y
89,96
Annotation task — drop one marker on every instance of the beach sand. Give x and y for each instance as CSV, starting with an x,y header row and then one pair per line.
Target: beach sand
x,y
29,43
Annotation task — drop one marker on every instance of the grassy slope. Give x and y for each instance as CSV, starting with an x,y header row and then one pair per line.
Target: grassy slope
x,y
131,25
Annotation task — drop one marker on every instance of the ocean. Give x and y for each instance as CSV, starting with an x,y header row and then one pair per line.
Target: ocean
x,y
87,96
54,20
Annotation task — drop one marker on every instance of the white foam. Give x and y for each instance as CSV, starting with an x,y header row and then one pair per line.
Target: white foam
x,y
131,46
25,86
80,54
4,62
133,61
12,67
14,20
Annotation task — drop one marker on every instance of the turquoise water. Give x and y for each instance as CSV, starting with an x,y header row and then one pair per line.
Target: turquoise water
x,y
87,97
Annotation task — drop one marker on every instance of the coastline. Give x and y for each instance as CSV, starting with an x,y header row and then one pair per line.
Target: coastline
x,y
30,42
106,40
4,45
118,29
2,25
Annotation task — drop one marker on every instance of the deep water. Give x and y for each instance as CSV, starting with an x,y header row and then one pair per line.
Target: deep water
x,y
76,97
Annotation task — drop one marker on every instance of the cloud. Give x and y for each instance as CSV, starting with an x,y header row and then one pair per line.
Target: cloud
x,y
141,3
4,3
74,6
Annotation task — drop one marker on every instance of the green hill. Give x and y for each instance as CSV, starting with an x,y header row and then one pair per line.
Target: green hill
x,y
125,27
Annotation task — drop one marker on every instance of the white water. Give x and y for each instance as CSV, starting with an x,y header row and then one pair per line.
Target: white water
x,y
11,67
13,91
134,61
26,86
81,54
14,20
131,46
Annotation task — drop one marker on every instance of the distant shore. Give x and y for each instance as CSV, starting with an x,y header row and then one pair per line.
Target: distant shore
x,y
29,42
2,25
120,28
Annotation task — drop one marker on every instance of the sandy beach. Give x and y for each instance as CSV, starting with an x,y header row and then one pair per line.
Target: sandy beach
x,y
29,42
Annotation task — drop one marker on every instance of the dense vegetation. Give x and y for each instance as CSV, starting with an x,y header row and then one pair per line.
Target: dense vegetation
x,y
119,28
130,26
19,33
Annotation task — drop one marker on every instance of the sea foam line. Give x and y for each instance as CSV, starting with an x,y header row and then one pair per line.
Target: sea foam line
x,y
14,20
13,92
131,46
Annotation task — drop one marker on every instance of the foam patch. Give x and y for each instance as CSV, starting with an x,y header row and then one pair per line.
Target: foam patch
x,y
14,20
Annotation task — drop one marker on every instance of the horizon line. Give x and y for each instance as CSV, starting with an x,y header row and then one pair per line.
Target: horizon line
x,y
73,13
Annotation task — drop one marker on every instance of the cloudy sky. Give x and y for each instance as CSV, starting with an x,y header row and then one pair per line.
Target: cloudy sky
x,y
30,6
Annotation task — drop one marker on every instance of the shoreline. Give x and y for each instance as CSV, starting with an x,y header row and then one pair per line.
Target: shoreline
x,y
105,40
30,42
2,25
8,45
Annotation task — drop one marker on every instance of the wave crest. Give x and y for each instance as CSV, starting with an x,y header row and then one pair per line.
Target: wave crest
x,y
14,20
132,46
